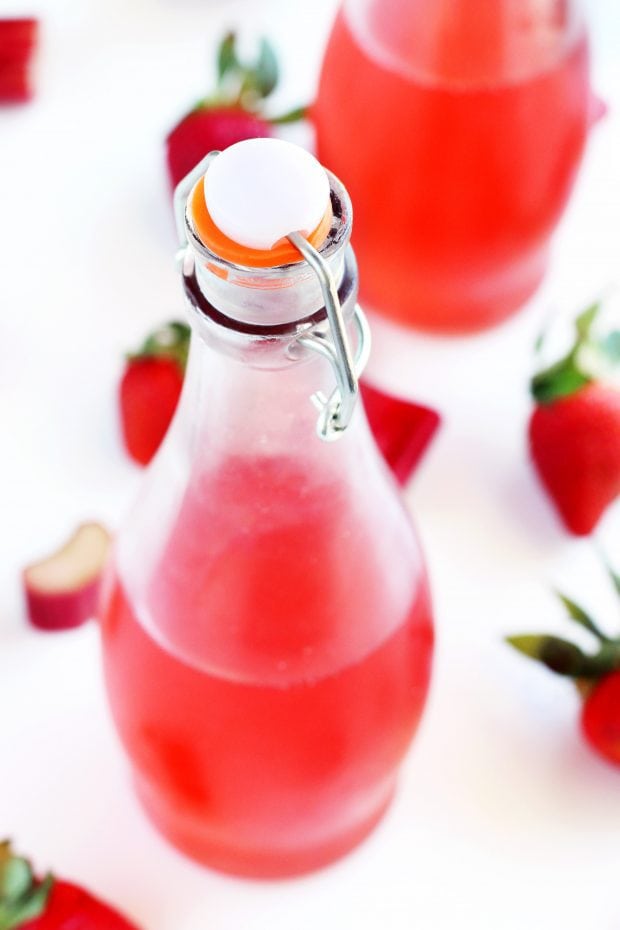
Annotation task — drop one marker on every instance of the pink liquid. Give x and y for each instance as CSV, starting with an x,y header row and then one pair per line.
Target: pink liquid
x,y
276,750
459,147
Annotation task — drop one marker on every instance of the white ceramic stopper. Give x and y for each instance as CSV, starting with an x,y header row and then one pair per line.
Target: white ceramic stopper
x,y
259,191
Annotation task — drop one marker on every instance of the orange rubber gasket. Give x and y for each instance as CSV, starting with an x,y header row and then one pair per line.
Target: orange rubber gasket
x,y
283,253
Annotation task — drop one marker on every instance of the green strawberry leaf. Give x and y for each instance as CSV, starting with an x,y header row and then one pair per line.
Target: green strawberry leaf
x,y
560,380
28,908
614,576
579,615
293,116
22,897
227,60
169,341
585,320
609,346
589,360
266,72
15,878
559,655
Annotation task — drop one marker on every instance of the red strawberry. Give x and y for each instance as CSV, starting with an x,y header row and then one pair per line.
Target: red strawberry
x,y
597,675
150,390
600,717
27,903
209,129
231,114
574,429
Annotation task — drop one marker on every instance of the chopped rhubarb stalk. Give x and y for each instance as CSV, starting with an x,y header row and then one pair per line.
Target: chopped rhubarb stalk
x,y
402,430
17,36
18,40
15,84
62,590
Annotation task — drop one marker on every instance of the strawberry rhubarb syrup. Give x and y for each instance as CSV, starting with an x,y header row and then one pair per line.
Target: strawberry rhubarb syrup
x,y
267,627
458,134
278,751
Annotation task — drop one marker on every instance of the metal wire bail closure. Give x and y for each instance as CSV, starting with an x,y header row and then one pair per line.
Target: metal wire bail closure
x,y
336,410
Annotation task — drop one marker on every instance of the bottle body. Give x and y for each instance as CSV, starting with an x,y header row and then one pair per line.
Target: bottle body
x,y
267,630
484,119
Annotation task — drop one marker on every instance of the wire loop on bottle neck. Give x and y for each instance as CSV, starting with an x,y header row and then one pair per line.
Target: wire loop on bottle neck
x,y
336,410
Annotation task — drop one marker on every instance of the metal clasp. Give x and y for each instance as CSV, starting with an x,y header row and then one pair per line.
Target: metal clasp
x,y
336,410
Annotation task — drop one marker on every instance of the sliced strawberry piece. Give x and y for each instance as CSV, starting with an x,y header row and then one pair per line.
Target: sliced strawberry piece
x,y
401,429
62,590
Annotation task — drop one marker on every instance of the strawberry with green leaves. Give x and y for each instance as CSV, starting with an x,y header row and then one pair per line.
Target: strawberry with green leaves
x,y
150,389
30,903
232,114
596,674
574,430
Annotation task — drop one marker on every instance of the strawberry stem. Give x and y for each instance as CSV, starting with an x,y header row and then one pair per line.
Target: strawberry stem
x,y
22,896
169,341
579,615
293,116
565,376
239,84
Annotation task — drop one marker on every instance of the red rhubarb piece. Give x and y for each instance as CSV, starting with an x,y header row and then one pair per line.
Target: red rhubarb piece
x,y
402,430
62,590
18,40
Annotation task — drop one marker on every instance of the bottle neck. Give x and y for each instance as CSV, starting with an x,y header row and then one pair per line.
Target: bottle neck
x,y
248,388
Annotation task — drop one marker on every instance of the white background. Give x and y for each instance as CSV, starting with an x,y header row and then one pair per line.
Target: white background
x,y
504,820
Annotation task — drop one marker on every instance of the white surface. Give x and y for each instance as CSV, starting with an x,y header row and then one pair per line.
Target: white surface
x,y
504,820
259,191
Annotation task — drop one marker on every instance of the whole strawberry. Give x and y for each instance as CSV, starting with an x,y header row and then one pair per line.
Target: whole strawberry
x,y
596,674
29,903
150,390
574,430
233,113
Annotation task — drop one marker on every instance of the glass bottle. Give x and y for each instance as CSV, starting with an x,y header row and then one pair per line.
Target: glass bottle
x,y
267,630
480,108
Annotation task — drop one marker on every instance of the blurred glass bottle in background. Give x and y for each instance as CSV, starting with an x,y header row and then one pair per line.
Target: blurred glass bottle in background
x,y
458,127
